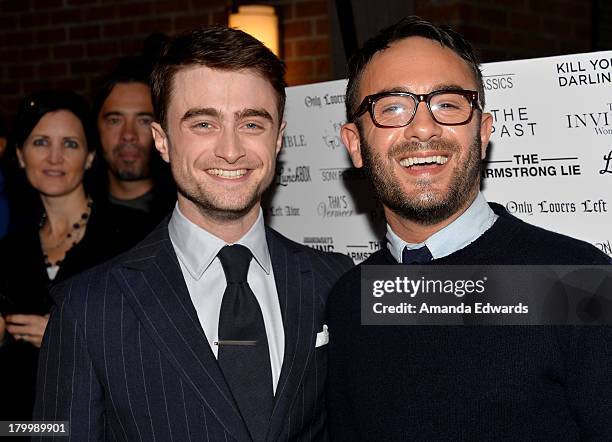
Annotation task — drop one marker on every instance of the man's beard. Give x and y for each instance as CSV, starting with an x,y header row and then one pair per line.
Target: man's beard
x,y
139,170
426,208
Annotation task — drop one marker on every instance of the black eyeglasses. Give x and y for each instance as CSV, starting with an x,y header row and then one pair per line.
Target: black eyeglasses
x,y
397,109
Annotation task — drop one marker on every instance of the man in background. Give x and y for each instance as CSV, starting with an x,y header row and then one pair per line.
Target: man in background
x,y
135,176
416,123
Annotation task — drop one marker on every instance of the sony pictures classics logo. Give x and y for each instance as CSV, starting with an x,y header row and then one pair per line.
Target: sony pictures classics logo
x,y
608,166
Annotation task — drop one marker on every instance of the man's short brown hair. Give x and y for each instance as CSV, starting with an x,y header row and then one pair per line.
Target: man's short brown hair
x,y
216,47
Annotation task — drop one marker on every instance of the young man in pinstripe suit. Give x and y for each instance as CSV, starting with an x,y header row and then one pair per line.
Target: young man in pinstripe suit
x,y
133,349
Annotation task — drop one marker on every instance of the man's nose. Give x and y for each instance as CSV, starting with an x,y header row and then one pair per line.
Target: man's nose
x,y
229,146
128,131
422,127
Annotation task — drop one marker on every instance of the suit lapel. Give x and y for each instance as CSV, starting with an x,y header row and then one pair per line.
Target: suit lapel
x,y
155,288
294,283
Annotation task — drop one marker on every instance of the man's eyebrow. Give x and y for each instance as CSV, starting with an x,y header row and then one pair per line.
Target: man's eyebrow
x,y
248,113
437,87
116,113
112,114
200,111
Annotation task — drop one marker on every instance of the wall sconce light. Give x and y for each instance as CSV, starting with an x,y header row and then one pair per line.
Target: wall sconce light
x,y
259,21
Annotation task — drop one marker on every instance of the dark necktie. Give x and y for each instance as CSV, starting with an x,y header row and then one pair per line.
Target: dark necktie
x,y
243,346
416,256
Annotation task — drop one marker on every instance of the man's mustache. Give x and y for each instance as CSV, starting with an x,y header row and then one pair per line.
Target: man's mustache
x,y
123,146
429,146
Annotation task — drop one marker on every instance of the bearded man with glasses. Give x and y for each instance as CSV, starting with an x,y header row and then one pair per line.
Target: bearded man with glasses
x,y
416,124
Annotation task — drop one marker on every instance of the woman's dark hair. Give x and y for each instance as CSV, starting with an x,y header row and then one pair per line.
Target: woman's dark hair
x,y
37,105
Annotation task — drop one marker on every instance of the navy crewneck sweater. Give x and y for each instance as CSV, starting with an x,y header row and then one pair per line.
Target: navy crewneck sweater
x,y
403,383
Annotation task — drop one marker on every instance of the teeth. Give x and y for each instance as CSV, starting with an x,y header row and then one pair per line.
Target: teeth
x,y
411,161
229,174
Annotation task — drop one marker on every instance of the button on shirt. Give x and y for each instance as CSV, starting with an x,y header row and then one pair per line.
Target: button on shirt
x,y
197,250
468,227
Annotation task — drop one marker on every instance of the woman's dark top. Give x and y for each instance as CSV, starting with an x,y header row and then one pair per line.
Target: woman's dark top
x,y
25,287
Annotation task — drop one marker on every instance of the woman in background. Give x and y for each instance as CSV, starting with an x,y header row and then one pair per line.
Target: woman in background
x,y
67,233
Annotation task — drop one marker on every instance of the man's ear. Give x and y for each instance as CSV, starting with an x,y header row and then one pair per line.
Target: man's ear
x,y
352,141
161,141
279,138
486,128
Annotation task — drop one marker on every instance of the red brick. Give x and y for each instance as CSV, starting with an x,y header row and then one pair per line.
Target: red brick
x,y
15,5
312,47
81,2
70,83
9,55
87,32
19,38
21,70
48,70
130,47
118,30
36,85
311,8
475,34
101,48
523,21
298,80
300,67
37,53
53,35
300,28
8,22
34,20
95,13
490,17
189,21
134,10
38,5
166,6
66,16
85,67
288,49
511,4
322,26
9,88
71,51
154,25
218,18
323,67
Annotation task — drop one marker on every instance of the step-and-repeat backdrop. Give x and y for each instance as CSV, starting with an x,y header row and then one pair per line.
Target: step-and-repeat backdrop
x,y
549,162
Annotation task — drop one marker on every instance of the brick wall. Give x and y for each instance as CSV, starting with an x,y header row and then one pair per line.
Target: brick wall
x,y
68,44
511,29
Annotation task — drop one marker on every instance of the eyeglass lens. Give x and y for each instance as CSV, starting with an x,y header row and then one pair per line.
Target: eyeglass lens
x,y
398,110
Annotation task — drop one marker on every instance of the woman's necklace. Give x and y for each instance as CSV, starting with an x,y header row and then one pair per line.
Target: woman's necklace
x,y
75,233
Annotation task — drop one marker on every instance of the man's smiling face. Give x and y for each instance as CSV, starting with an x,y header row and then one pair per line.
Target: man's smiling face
x,y
425,171
222,138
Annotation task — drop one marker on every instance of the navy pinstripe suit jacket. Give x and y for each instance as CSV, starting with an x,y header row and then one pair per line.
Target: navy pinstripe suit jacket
x,y
125,358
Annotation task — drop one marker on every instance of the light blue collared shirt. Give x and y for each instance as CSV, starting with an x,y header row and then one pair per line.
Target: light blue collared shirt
x,y
197,251
468,227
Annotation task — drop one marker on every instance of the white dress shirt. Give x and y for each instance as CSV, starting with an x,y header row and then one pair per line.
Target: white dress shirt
x,y
468,227
197,250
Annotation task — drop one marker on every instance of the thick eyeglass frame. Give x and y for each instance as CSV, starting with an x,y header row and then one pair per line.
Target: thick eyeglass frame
x,y
369,101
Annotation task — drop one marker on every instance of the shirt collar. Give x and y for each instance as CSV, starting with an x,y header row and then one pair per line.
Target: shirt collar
x,y
468,227
196,248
